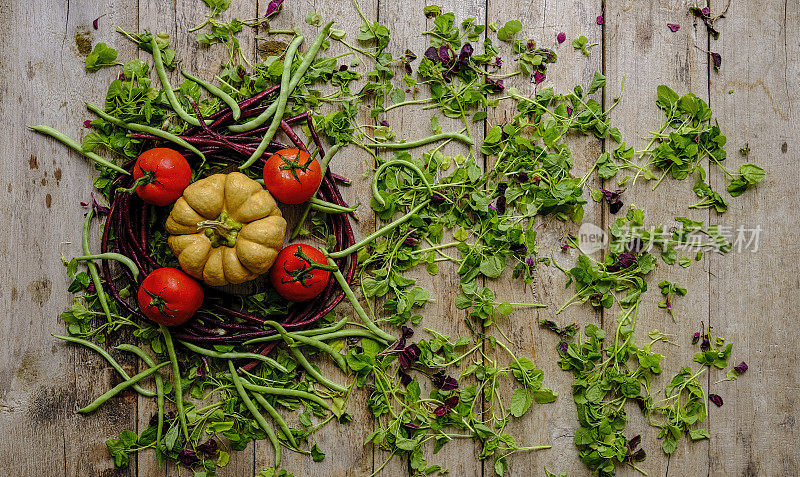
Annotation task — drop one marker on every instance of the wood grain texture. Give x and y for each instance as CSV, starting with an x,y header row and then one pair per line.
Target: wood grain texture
x,y
753,291
749,298
343,444
655,55
548,424
406,21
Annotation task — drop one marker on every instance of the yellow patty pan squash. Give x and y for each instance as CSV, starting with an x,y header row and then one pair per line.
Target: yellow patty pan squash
x,y
225,229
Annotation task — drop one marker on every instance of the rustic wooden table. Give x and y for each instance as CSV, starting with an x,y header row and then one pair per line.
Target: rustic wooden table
x,y
750,298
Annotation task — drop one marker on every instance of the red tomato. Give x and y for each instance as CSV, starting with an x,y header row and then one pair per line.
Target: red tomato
x,y
169,296
292,176
300,272
162,174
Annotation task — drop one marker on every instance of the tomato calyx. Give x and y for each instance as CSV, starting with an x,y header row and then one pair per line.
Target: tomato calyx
x,y
304,274
222,231
148,177
159,303
294,165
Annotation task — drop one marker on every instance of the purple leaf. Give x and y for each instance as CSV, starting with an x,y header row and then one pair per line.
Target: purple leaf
x,y
538,77
741,368
562,348
94,23
87,123
412,239
495,86
100,209
449,404
188,457
716,399
432,54
673,26
405,379
716,58
437,198
408,356
274,7
626,259
696,337
209,447
706,12
600,20
561,38
444,382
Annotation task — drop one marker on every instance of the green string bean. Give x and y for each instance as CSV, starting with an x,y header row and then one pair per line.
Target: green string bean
x,y
171,98
176,380
111,361
159,386
237,382
307,340
356,305
113,256
283,98
234,355
399,163
72,144
219,93
421,142
298,76
119,388
145,129
92,268
378,233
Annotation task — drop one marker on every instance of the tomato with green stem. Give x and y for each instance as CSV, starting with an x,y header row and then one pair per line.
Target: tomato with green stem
x,y
300,273
160,176
292,176
169,296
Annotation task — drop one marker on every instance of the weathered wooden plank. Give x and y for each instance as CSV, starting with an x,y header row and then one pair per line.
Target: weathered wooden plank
x,y
753,290
406,22
43,380
640,47
343,443
37,376
549,424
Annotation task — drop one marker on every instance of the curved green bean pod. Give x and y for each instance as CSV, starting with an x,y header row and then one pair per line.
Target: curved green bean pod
x,y
277,418
401,163
72,144
225,97
378,233
237,382
111,361
283,98
421,142
113,256
92,268
337,357
350,334
298,75
323,166
119,388
159,385
176,380
232,355
357,306
317,331
330,207
145,129
301,359
162,75
286,392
